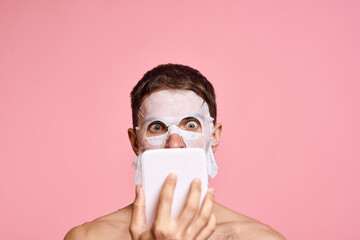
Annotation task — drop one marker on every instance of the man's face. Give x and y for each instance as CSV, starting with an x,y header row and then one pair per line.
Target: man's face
x,y
174,119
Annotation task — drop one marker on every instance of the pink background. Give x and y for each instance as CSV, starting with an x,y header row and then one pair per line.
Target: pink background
x,y
287,80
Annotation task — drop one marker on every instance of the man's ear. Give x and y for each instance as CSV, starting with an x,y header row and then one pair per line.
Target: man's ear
x,y
216,135
133,140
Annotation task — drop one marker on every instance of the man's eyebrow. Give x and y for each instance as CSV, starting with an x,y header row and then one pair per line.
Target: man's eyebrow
x,y
154,118
197,115
150,119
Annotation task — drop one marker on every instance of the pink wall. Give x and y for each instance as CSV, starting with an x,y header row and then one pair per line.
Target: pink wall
x,y
287,79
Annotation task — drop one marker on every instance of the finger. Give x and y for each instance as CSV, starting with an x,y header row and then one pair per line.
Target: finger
x,y
146,236
138,222
202,219
208,229
166,197
192,203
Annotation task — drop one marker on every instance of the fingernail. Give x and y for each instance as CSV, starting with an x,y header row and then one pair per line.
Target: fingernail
x,y
173,175
197,180
212,191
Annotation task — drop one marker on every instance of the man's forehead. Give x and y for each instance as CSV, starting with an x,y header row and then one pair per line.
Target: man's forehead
x,y
171,103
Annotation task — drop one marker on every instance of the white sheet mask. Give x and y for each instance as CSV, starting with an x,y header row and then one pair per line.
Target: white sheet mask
x,y
168,110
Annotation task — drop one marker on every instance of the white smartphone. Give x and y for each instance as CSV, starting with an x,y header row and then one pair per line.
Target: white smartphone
x,y
187,163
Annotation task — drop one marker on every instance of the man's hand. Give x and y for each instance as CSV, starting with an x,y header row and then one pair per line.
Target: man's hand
x,y
189,225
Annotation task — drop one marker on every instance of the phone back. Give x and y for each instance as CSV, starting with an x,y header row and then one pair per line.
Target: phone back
x,y
187,163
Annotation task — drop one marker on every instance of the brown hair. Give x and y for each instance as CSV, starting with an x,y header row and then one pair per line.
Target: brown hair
x,y
172,76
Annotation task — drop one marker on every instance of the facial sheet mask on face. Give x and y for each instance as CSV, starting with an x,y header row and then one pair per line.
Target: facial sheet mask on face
x,y
181,112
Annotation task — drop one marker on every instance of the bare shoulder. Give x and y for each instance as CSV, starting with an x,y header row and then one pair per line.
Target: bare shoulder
x,y
232,225
112,226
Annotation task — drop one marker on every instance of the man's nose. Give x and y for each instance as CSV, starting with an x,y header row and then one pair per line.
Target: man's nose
x,y
175,141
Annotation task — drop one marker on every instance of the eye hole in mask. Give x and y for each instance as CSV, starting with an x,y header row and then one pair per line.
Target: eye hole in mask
x,y
156,128
188,124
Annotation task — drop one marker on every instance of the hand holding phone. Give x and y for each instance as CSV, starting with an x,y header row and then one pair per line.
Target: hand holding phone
x,y
189,225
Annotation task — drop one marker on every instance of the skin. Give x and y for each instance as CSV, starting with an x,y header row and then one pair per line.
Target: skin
x,y
213,221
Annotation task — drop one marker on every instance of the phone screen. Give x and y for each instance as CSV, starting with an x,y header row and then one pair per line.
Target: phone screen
x,y
187,163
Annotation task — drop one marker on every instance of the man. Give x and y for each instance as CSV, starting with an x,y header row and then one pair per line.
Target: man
x,y
173,106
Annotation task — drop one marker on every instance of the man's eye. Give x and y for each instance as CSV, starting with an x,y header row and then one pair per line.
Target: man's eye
x,y
191,125
156,127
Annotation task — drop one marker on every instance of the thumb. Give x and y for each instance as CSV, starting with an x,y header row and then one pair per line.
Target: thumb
x,y
138,222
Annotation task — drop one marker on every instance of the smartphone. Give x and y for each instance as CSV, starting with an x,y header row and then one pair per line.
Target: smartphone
x,y
187,163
